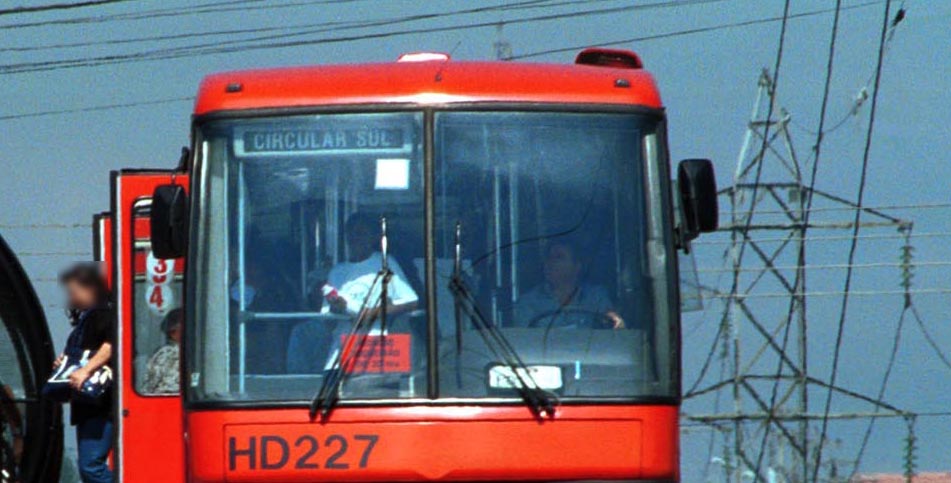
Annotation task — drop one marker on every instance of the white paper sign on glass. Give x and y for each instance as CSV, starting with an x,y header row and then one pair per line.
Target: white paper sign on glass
x,y
392,174
547,377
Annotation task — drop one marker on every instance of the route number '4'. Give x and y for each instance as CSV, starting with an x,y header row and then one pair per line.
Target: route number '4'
x,y
158,294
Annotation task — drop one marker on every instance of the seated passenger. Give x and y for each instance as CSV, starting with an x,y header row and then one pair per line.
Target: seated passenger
x,y
564,300
352,280
348,283
162,370
264,291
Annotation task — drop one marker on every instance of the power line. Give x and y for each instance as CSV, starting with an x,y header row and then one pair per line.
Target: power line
x,y
929,338
828,238
852,208
216,48
58,6
214,7
882,388
679,33
862,95
34,226
11,117
115,106
156,38
294,30
830,293
749,220
801,255
197,49
908,307
828,266
52,254
854,245
298,29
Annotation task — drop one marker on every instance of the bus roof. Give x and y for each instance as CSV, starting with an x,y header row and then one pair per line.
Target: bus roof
x,y
433,80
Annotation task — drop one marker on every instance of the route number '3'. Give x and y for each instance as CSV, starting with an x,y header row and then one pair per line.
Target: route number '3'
x,y
158,292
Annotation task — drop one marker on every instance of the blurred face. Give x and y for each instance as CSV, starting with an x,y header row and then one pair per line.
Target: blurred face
x,y
562,270
175,333
79,296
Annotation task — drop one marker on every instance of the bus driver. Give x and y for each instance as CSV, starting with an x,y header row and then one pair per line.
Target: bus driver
x,y
564,299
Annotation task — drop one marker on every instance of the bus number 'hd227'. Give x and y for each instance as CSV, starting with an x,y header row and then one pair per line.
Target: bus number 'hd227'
x,y
304,452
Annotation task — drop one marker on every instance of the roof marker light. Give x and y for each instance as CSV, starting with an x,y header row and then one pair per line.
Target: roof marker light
x,y
617,58
423,57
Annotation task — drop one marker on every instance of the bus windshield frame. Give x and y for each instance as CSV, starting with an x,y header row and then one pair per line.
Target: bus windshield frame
x,y
427,181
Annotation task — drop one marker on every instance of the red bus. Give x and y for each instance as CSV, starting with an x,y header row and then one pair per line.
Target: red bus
x,y
422,270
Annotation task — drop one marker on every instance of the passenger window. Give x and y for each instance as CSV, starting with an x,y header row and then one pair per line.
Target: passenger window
x,y
157,315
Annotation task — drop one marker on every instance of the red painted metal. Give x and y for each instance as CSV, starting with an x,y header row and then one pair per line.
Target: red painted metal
x,y
427,443
151,445
429,82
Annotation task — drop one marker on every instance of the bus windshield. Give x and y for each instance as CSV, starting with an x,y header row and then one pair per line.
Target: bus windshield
x,y
550,250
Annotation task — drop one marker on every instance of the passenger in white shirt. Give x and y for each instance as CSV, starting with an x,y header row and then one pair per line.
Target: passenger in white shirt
x,y
353,279
312,342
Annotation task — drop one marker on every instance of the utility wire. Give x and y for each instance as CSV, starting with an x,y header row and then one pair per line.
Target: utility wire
x,y
862,94
827,266
215,7
282,42
908,307
799,281
831,293
929,338
51,254
852,208
57,6
882,388
773,88
177,36
939,234
854,245
107,107
295,30
34,226
679,33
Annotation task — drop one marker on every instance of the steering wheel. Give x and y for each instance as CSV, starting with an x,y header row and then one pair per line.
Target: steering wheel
x,y
572,317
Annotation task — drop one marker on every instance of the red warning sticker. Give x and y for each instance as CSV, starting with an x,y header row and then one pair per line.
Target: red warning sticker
x,y
376,354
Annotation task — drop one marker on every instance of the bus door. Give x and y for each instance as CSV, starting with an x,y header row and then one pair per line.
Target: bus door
x,y
148,290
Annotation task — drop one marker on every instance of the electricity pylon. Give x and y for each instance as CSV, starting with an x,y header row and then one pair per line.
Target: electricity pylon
x,y
764,329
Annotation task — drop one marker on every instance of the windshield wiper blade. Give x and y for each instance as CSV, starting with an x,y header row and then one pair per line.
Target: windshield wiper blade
x,y
326,398
539,401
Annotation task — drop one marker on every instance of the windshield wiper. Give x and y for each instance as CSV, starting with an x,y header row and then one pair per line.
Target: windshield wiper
x,y
539,401
329,394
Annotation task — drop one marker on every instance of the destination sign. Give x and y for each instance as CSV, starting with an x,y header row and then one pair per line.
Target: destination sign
x,y
305,140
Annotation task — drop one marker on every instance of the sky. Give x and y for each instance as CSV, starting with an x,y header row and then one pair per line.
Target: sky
x,y
54,168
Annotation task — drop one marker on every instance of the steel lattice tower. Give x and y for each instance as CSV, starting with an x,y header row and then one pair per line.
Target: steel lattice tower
x,y
764,329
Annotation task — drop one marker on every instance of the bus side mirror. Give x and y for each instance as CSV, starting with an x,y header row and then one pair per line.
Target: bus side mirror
x,y
698,198
169,221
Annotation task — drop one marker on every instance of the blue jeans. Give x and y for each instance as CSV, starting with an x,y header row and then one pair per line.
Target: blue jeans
x,y
94,440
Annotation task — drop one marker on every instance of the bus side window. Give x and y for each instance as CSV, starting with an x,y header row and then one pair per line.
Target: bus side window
x,y
157,320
